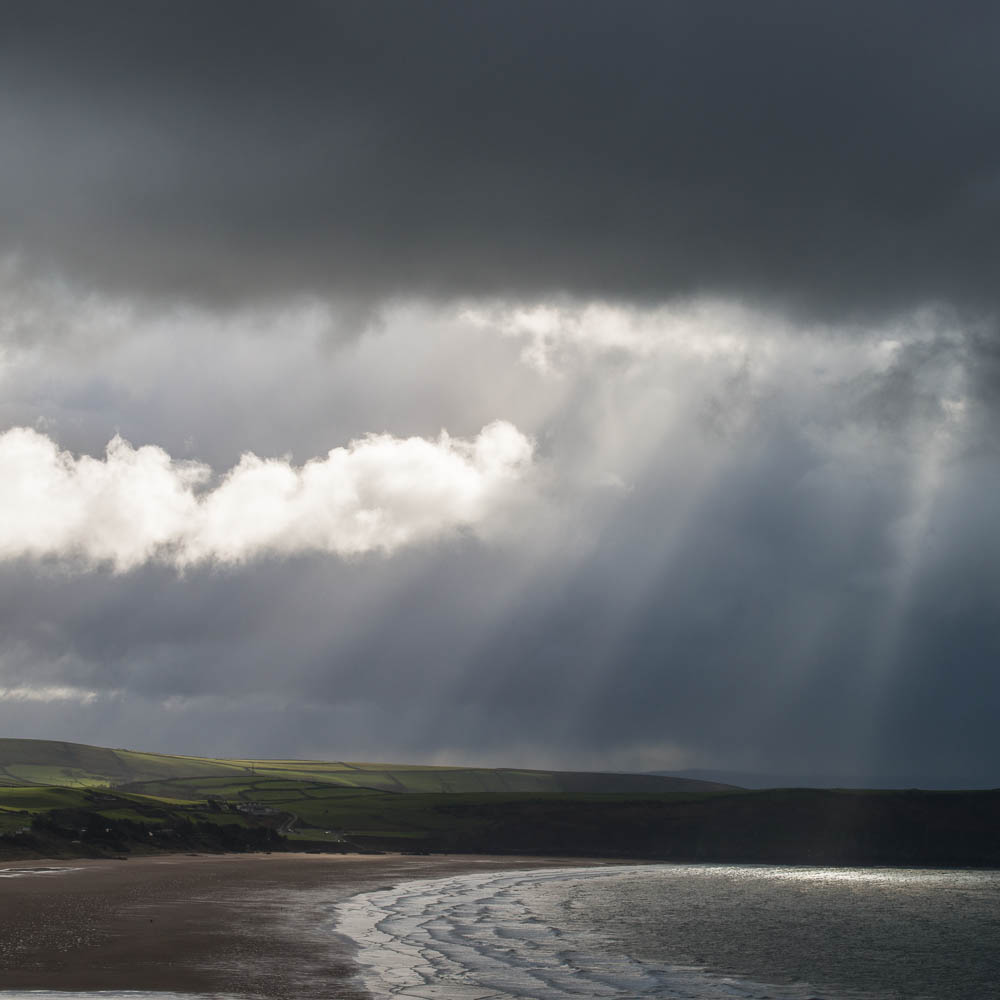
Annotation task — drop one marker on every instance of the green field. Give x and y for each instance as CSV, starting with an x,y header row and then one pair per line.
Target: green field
x,y
75,765
317,802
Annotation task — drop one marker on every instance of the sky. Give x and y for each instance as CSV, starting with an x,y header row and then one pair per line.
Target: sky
x,y
556,384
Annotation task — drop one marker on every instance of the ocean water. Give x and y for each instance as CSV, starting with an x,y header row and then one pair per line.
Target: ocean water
x,y
712,932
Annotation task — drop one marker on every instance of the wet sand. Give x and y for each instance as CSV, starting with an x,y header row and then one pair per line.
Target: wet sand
x,y
246,924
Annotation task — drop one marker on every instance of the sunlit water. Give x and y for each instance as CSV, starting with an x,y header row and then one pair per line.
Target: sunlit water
x,y
687,931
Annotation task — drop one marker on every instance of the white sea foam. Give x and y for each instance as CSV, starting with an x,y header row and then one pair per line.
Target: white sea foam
x,y
488,937
27,872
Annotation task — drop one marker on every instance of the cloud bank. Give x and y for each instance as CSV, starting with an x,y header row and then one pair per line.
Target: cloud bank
x,y
138,505
738,541
780,152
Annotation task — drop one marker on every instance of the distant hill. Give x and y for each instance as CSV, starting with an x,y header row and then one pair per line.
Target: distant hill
x,y
752,779
76,765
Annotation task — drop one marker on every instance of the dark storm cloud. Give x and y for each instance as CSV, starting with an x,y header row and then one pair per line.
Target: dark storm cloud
x,y
835,157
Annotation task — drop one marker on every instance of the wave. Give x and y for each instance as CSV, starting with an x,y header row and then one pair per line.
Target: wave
x,y
30,872
497,937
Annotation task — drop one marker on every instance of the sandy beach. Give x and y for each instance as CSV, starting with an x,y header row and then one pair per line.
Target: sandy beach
x,y
246,924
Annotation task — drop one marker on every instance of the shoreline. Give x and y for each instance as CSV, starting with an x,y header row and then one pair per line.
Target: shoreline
x,y
247,924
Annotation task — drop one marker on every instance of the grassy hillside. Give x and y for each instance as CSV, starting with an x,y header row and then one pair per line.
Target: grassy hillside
x,y
46,821
75,765
799,826
63,799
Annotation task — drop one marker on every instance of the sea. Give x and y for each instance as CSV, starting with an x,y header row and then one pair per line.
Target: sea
x,y
711,932
685,932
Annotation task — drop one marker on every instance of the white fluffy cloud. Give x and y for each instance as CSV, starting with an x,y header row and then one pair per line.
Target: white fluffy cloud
x,y
138,504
